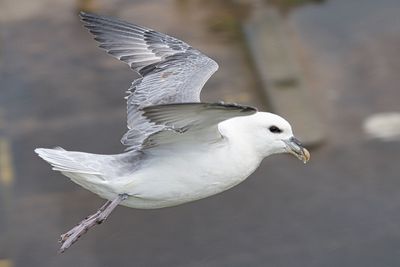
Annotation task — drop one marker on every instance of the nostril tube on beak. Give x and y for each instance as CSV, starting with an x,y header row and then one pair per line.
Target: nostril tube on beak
x,y
296,148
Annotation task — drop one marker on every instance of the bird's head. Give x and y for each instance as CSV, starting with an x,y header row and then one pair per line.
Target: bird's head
x,y
269,134
274,135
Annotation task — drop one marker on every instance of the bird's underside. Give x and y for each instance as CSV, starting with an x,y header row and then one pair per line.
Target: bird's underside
x,y
163,106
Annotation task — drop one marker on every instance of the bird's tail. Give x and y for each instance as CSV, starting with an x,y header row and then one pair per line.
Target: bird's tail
x,y
85,169
91,171
68,161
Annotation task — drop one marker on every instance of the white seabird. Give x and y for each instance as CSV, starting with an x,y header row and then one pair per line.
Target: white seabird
x,y
178,149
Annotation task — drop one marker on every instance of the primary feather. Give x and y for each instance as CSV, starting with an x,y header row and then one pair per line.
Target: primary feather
x,y
171,71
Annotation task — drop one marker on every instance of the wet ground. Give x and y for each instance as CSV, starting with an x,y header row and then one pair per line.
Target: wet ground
x,y
57,88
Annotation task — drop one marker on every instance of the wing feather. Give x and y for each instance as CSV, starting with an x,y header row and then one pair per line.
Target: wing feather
x,y
181,121
171,70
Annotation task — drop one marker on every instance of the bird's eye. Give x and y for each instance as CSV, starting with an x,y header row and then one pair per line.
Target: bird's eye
x,y
274,129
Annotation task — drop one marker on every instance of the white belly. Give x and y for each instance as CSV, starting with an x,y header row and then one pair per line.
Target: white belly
x,y
170,181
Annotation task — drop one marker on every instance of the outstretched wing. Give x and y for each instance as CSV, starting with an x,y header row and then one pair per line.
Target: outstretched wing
x,y
171,71
190,121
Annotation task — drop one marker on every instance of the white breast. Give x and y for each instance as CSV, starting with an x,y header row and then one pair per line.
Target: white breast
x,y
191,174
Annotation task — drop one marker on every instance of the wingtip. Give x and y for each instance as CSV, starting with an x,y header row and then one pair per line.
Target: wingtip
x,y
82,17
242,108
82,14
85,16
250,109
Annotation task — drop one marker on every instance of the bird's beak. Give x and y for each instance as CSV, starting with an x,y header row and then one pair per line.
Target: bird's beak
x,y
295,147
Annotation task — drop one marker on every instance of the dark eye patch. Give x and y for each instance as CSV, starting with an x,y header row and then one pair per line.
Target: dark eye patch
x,y
274,129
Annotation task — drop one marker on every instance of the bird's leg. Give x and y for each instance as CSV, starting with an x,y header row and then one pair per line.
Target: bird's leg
x,y
100,216
88,219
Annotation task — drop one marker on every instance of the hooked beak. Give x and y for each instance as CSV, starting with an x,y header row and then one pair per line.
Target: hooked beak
x,y
295,148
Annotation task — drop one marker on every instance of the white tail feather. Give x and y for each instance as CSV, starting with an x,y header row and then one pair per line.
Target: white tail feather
x,y
64,161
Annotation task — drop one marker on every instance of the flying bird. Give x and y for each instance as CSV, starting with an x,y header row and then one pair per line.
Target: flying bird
x,y
178,149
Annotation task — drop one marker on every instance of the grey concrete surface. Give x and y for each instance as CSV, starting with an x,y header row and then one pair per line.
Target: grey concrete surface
x,y
271,46
341,209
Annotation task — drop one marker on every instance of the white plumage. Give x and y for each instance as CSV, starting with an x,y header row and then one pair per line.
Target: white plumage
x,y
178,149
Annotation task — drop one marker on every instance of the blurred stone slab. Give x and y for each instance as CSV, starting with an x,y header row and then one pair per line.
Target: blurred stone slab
x,y
280,74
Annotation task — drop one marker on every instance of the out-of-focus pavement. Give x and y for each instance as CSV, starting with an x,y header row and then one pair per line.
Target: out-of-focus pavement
x,y
57,88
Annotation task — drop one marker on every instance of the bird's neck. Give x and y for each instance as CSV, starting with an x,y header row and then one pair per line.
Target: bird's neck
x,y
237,134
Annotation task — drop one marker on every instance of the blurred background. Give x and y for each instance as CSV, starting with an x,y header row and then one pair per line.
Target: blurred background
x,y
330,66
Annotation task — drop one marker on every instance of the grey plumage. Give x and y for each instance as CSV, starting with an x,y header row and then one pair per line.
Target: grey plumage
x,y
163,105
171,70
199,119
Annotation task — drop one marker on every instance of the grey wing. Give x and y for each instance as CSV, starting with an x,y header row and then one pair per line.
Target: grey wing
x,y
171,70
190,121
